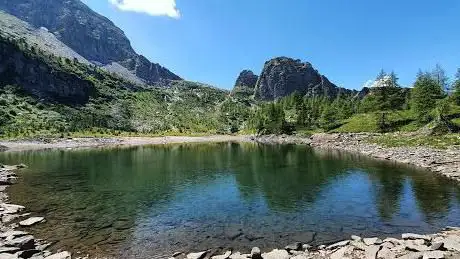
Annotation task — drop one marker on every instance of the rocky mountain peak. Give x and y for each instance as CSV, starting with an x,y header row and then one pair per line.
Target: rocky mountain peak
x,y
246,78
281,76
90,34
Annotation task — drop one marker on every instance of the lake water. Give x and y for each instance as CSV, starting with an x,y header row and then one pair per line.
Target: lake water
x,y
148,202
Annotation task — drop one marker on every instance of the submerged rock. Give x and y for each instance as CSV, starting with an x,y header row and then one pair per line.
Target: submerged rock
x,y
31,221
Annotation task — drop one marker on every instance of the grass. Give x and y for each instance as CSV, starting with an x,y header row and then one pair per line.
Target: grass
x,y
398,140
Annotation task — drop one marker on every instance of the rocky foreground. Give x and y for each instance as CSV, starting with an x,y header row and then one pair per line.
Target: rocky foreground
x,y
411,246
15,241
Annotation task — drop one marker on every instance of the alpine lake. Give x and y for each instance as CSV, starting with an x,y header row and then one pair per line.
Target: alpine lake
x,y
152,201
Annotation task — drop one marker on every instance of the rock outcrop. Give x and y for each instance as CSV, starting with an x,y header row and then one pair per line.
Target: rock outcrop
x,y
246,78
282,76
39,78
91,35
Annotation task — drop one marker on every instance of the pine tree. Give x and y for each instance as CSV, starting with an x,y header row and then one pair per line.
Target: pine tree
x,y
439,76
456,87
425,94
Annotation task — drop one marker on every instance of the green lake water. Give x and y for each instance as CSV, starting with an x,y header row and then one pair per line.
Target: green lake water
x,y
148,202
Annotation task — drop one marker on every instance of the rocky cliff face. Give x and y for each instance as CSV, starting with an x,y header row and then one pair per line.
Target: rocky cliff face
x,y
246,78
93,36
282,76
40,79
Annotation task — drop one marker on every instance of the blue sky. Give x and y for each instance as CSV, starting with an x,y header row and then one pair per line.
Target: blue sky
x,y
211,41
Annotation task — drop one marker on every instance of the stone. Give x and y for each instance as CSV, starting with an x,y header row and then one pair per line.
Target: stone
x,y
356,238
436,246
338,245
224,256
300,256
451,244
12,208
306,247
386,253
417,248
31,221
415,236
372,241
296,247
371,251
276,254
198,255
392,240
340,253
434,255
359,245
8,256
416,255
61,255
23,242
255,253
13,233
237,255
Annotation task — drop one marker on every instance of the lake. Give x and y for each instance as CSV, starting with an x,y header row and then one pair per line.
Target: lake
x,y
152,201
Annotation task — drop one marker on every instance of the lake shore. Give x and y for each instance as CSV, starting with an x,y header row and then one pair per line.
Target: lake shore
x,y
91,142
445,162
445,244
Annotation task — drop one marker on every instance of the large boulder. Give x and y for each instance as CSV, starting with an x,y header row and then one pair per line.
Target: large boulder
x,y
283,76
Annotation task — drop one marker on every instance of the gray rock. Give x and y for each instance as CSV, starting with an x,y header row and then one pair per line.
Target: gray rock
x,y
12,208
434,255
392,240
356,238
415,236
306,247
386,253
417,248
237,255
224,256
300,256
23,242
255,253
451,244
372,241
339,254
358,245
13,233
436,245
8,256
31,221
338,244
296,247
61,255
276,254
371,251
198,255
416,255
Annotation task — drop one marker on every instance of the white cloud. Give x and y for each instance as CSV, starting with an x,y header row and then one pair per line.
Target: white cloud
x,y
150,7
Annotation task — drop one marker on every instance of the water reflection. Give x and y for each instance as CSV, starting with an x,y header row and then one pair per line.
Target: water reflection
x,y
148,201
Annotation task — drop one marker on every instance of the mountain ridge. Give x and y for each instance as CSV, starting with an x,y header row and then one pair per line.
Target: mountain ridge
x,y
90,34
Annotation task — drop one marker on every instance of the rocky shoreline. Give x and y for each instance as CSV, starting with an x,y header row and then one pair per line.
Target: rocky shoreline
x,y
445,244
15,241
445,162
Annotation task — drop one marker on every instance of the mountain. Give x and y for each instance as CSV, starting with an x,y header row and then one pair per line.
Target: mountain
x,y
91,35
246,78
283,76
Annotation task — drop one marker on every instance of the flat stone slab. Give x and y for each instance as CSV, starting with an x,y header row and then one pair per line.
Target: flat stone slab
x,y
276,254
11,208
372,241
434,255
198,255
61,255
31,221
338,244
